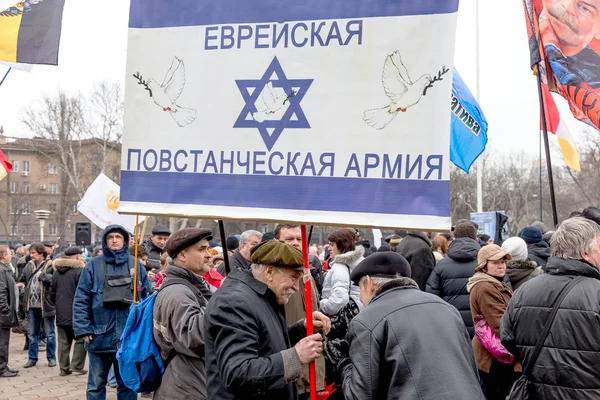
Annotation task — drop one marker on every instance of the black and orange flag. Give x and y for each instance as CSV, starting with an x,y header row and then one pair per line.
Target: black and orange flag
x,y
30,31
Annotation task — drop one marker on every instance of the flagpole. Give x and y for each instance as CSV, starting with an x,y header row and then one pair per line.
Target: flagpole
x,y
224,246
135,257
5,75
546,145
478,97
540,172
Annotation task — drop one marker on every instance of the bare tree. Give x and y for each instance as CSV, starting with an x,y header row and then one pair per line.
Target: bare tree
x,y
106,118
78,134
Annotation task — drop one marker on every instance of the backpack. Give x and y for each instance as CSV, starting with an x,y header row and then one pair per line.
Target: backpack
x,y
140,363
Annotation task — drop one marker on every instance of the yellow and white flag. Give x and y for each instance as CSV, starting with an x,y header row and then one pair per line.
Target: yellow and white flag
x,y
558,126
100,204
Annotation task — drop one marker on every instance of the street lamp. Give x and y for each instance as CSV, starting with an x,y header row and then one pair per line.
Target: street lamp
x,y
42,216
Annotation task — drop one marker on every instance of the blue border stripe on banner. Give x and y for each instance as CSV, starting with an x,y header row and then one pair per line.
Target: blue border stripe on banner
x,y
385,196
161,13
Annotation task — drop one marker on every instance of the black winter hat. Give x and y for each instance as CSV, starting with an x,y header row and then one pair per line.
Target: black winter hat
x,y
232,243
160,230
531,235
386,263
71,251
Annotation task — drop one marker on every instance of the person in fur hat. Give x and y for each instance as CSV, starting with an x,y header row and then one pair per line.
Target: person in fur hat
x,y
519,269
62,292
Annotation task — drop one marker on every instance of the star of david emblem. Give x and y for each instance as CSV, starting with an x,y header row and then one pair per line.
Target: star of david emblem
x,y
272,103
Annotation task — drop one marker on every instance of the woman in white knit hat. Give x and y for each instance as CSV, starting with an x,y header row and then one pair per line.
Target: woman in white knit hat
x,y
519,269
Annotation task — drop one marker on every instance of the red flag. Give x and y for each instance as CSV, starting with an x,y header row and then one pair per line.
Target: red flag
x,y
5,166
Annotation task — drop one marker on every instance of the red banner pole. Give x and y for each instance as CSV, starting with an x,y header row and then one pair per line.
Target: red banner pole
x,y
308,301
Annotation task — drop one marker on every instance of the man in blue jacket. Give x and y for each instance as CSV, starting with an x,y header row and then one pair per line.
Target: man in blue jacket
x,y
101,307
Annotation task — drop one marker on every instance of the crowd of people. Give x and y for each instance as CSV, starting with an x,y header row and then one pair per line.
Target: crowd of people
x,y
428,316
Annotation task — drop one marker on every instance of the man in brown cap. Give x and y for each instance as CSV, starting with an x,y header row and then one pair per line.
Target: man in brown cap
x,y
179,316
248,343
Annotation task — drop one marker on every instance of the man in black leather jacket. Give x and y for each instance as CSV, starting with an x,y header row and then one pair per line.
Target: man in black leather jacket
x,y
405,344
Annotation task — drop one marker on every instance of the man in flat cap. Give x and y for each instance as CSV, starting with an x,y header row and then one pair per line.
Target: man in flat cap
x,y
405,344
62,292
156,247
249,351
179,315
101,307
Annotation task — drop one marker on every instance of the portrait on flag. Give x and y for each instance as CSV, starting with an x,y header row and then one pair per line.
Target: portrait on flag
x,y
329,112
566,34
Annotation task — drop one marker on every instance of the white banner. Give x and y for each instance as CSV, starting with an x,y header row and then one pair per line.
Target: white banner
x,y
328,113
100,204
21,66
377,235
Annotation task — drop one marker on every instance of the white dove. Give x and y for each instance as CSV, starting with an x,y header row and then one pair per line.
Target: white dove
x,y
399,88
273,103
167,93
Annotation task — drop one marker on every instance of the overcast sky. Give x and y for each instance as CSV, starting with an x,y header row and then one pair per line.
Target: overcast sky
x,y
94,45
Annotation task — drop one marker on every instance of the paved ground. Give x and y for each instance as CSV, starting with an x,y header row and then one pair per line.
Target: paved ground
x,y
41,382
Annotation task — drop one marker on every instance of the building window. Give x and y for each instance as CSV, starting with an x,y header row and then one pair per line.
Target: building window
x,y
26,209
26,229
74,208
52,188
26,166
14,207
52,207
14,230
51,229
15,164
14,187
26,187
52,170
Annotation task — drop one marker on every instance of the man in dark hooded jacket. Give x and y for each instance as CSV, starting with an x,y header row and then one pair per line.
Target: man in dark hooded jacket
x,y
101,324
450,276
416,248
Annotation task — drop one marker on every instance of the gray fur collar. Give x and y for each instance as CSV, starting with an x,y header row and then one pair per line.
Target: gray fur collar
x,y
518,264
67,263
350,258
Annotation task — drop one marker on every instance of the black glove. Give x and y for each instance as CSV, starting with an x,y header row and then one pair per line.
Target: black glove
x,y
336,356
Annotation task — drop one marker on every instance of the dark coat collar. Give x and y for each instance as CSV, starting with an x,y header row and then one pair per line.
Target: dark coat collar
x,y
248,279
559,266
399,283
149,244
257,286
178,272
240,258
421,236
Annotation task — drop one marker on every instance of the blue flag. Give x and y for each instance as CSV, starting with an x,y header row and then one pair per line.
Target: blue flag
x,y
468,127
